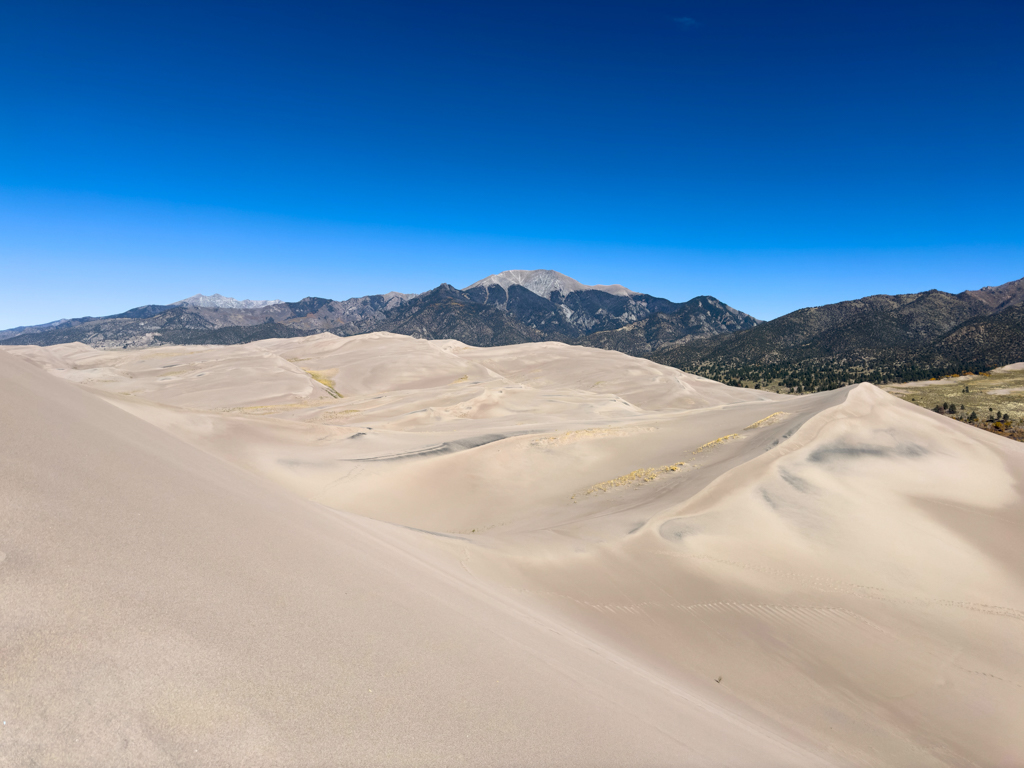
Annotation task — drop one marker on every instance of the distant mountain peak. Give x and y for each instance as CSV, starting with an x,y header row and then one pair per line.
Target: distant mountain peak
x,y
544,282
225,302
391,295
507,308
1001,296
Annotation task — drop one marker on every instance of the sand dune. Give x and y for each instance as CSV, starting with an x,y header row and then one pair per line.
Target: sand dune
x,y
381,550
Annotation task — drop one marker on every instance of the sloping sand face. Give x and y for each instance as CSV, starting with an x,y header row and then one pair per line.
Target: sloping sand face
x,y
163,607
653,568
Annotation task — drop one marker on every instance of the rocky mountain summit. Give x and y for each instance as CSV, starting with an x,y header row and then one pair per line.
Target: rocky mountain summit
x,y
509,307
223,302
545,282
1001,296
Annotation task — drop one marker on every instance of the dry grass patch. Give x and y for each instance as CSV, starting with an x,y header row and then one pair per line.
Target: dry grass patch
x,y
634,479
266,410
986,395
332,415
324,377
586,434
767,420
717,442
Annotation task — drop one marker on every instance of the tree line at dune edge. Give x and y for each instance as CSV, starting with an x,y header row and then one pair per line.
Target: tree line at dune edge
x,y
805,378
995,421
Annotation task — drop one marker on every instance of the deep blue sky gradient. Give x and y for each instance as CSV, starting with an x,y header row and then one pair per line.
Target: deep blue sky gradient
x,y
773,154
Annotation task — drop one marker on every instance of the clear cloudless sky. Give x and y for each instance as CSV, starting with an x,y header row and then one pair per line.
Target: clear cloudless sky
x,y
773,154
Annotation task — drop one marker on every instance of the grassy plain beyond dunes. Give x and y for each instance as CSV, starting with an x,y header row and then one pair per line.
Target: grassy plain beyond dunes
x,y
986,394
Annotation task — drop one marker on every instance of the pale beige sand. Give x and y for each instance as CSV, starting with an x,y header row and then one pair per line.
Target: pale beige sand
x,y
654,569
1006,391
162,607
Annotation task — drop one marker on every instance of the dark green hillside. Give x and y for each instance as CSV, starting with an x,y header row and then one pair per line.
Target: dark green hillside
x,y
877,339
699,318
448,313
983,343
236,334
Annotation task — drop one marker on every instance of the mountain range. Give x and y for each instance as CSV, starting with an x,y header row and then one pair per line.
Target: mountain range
x,y
510,307
224,302
877,338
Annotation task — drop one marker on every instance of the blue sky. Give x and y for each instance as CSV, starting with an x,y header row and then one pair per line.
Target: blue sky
x,y
775,155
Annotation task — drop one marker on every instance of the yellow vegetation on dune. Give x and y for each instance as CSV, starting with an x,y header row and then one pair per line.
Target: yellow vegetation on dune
x,y
635,478
585,434
767,420
331,415
323,377
716,442
573,436
639,477
265,410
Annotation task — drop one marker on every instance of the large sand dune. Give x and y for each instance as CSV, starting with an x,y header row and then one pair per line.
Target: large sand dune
x,y
380,550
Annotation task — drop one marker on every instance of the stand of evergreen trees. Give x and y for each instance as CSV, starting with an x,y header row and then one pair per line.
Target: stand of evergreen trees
x,y
818,376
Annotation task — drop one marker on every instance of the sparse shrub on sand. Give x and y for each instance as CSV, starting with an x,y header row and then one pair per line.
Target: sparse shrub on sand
x,y
767,420
716,442
992,400
322,377
634,479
